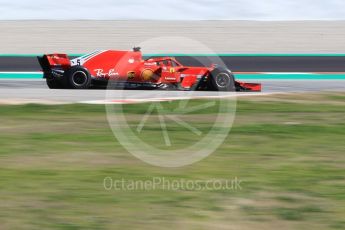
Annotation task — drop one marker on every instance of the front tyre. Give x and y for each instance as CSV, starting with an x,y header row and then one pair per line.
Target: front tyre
x,y
222,80
77,77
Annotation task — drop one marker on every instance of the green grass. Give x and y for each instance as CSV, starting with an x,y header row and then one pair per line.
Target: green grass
x,y
287,150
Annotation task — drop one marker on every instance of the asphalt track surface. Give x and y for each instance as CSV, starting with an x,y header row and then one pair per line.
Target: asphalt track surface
x,y
36,91
235,63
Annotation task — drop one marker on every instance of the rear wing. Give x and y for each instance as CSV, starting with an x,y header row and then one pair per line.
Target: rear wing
x,y
57,61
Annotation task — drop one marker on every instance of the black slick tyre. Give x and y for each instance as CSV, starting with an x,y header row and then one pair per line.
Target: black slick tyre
x,y
77,77
222,80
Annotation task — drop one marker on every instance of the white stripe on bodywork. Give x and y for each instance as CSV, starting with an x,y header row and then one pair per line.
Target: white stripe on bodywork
x,y
86,57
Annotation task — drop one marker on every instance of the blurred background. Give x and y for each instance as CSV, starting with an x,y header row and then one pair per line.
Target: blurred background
x,y
280,166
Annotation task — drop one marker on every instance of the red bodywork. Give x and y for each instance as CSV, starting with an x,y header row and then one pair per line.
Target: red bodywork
x,y
130,67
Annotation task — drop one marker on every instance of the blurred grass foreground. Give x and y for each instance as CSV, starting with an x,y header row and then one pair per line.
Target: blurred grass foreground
x,y
287,150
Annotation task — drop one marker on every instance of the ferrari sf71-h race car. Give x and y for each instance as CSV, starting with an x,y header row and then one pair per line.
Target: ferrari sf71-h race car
x,y
127,69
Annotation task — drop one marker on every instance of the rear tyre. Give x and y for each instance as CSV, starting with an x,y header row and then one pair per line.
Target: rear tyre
x,y
77,77
222,80
54,84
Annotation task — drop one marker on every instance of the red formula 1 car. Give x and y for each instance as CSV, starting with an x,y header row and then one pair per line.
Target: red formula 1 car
x,y
127,69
